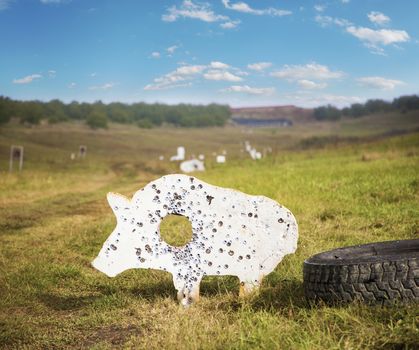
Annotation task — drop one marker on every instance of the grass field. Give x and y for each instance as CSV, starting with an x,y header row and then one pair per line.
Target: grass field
x,y
345,182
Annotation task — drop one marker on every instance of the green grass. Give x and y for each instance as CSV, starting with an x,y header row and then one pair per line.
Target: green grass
x,y
54,219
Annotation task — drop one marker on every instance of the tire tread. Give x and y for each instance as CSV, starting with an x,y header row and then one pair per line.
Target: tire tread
x,y
379,282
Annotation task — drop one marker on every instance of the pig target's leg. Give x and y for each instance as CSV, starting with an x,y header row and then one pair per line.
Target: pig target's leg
x,y
180,287
248,287
195,291
188,294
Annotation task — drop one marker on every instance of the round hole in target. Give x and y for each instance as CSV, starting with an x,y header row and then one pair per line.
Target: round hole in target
x,y
176,230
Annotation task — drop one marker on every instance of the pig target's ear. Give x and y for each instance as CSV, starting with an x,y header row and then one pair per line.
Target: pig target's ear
x,y
118,203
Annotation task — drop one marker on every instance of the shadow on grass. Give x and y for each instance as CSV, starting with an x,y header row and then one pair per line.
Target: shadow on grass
x,y
223,290
286,293
66,303
283,294
156,290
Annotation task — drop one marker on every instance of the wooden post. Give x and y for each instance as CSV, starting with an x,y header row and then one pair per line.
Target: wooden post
x,y
82,151
16,152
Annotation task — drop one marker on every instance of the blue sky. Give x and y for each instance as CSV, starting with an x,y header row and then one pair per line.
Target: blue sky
x,y
244,53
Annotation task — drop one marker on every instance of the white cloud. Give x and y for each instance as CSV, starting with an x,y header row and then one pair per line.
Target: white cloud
x,y
190,70
155,54
52,73
230,24
176,78
185,74
309,71
379,83
374,38
241,73
219,75
259,66
378,18
319,8
250,90
4,4
310,85
72,85
309,100
189,9
28,79
325,21
92,75
171,50
219,65
245,8
106,86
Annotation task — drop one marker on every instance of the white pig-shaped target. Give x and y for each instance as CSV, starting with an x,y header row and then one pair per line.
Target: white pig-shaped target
x,y
232,234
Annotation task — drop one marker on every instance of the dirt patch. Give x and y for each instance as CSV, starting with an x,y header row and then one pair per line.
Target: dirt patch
x,y
113,334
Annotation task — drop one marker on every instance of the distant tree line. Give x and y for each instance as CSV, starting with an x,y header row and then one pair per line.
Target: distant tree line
x,y
97,114
402,104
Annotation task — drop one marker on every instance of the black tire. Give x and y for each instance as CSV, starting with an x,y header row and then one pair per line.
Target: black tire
x,y
381,273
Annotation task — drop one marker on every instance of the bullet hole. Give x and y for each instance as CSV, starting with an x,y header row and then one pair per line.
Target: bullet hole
x,y
250,215
138,251
226,266
231,253
142,260
209,263
192,187
281,220
240,257
209,199
214,230
208,251
242,284
256,216
199,186
228,244
247,256
243,226
220,250
113,247
220,223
